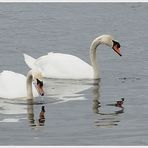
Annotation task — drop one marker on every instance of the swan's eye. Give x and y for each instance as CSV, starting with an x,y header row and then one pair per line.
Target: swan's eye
x,y
40,83
116,43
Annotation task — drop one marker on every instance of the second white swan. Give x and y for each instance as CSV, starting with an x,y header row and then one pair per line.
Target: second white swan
x,y
65,66
15,85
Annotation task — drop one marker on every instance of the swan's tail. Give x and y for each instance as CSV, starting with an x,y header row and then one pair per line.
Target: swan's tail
x,y
29,60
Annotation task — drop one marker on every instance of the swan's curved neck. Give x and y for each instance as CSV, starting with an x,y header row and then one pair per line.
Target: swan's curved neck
x,y
29,85
92,53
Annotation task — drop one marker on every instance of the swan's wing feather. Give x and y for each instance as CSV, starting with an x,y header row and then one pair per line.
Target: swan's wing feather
x,y
57,65
29,61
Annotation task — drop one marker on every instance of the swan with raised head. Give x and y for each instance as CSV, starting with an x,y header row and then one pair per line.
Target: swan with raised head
x,y
15,85
65,66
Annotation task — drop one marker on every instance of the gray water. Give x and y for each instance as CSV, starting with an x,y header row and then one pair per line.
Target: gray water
x,y
77,112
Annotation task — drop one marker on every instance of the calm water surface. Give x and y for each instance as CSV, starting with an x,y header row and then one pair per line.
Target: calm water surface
x,y
77,112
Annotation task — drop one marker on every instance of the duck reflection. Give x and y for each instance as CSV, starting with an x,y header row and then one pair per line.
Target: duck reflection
x,y
105,119
31,116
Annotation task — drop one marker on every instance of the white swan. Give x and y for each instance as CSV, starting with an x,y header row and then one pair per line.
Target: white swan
x,y
15,85
65,66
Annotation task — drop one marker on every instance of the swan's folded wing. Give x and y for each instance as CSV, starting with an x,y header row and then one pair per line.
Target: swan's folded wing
x,y
65,66
29,61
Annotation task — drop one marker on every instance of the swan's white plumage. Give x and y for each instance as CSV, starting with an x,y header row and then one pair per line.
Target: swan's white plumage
x,y
13,85
65,66
58,65
29,60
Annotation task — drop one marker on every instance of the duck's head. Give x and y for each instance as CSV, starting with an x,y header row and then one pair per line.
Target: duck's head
x,y
122,99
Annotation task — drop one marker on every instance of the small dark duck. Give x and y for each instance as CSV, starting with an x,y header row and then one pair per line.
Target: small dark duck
x,y
119,103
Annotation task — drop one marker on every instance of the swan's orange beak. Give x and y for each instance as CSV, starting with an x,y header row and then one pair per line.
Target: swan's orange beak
x,y
117,50
39,87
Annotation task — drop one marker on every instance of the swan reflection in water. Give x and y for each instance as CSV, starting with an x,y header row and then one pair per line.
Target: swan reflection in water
x,y
31,117
56,91
61,90
104,119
